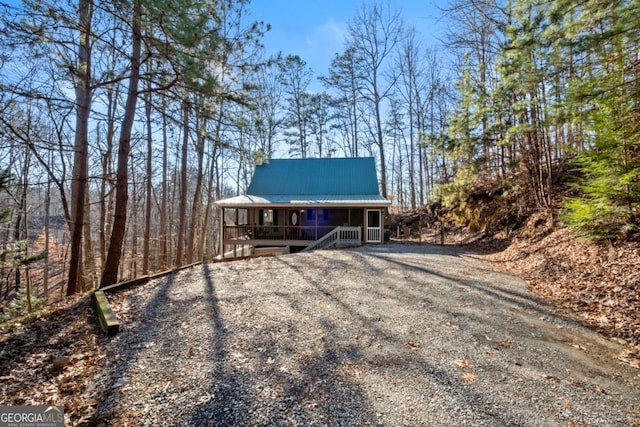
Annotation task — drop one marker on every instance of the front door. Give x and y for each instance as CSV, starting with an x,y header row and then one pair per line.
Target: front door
x,y
374,226
294,224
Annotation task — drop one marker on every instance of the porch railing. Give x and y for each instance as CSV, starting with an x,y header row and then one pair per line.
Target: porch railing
x,y
275,232
340,236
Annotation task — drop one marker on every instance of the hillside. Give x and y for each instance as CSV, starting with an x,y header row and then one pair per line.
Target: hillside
x,y
51,357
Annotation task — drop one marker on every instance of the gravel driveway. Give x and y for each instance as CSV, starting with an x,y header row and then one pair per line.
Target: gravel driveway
x,y
393,335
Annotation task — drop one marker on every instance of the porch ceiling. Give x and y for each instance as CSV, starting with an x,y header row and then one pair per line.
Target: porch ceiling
x,y
331,200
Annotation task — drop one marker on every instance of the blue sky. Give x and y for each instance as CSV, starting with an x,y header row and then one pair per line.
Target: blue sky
x,y
315,29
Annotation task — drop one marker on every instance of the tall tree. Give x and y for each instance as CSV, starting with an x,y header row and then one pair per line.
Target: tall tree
x,y
296,76
609,104
149,179
373,34
184,182
320,123
82,79
412,86
267,116
345,80
476,32
110,272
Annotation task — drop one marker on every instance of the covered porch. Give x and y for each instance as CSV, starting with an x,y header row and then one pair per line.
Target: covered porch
x,y
245,228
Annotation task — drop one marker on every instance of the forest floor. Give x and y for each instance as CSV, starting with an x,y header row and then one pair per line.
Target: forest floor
x,y
53,356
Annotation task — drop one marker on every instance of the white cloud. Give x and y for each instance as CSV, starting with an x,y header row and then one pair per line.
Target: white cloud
x,y
323,42
334,32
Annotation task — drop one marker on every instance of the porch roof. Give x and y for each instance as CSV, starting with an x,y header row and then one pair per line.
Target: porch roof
x,y
281,200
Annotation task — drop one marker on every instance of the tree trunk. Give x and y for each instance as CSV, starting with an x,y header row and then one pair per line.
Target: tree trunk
x,y
204,252
81,144
196,207
380,143
110,273
183,185
24,213
47,229
89,270
134,225
148,199
164,263
16,238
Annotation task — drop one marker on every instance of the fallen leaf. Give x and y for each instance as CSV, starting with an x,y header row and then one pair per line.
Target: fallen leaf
x,y
470,377
631,358
505,344
463,364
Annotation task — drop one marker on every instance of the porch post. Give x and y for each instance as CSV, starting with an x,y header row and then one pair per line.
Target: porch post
x,y
221,231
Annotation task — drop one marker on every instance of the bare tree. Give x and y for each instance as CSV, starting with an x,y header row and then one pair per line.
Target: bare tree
x,y
373,34
266,115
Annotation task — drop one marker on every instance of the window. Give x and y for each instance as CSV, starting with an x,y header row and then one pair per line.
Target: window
x,y
323,214
267,217
373,219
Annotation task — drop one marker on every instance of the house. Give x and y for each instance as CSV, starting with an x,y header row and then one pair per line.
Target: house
x,y
297,204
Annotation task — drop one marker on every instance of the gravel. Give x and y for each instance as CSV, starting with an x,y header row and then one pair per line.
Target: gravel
x,y
393,335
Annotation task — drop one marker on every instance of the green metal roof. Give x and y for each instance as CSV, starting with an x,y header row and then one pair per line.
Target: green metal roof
x,y
308,177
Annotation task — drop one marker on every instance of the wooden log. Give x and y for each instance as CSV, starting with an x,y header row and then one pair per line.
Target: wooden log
x,y
108,320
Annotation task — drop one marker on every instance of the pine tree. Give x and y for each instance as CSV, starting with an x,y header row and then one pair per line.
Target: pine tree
x,y
609,207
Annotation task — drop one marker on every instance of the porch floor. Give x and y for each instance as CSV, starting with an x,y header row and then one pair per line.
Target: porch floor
x,y
268,242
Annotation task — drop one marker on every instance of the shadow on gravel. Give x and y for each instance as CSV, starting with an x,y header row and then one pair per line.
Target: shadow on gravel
x,y
522,300
128,354
339,346
304,398
394,353
493,311
226,386
412,248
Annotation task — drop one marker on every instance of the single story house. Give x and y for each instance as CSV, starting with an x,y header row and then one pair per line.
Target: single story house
x,y
305,204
